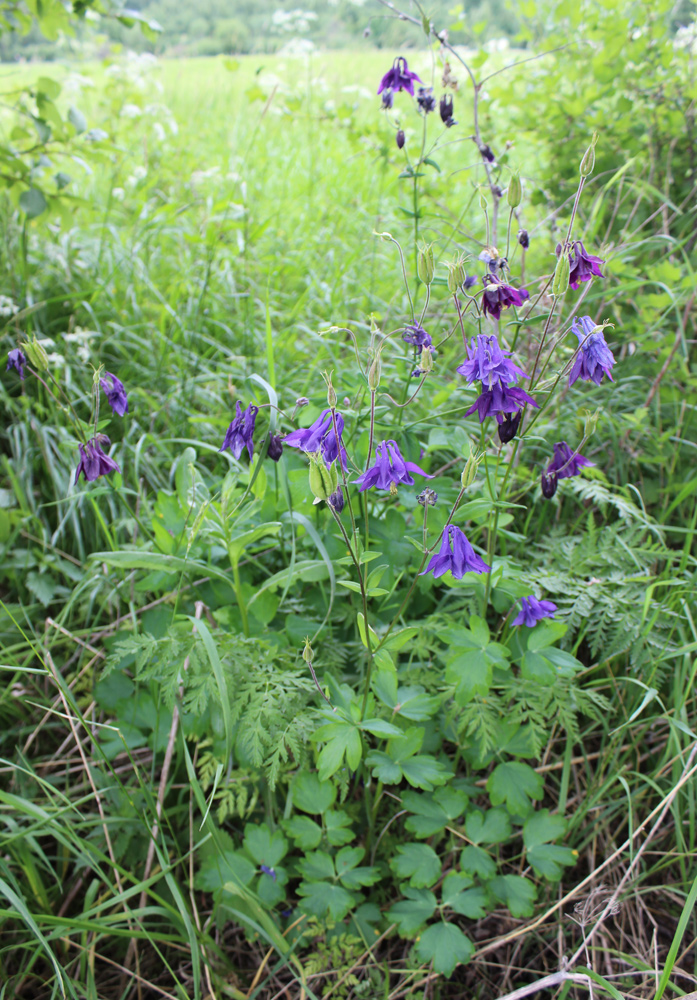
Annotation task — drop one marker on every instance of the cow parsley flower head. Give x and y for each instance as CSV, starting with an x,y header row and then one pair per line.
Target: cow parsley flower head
x,y
240,432
400,77
389,470
594,358
320,436
489,364
115,393
533,611
455,554
94,462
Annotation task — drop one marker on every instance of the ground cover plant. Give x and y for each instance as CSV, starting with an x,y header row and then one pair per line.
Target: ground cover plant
x,y
348,518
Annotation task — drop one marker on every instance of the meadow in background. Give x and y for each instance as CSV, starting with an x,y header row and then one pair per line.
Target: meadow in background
x,y
183,813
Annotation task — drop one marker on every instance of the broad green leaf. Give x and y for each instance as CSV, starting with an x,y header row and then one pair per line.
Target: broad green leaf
x,y
226,867
425,772
352,876
312,795
265,847
475,861
535,667
446,946
453,885
383,768
417,862
396,640
32,202
412,912
338,826
379,727
515,784
491,827
548,860
515,892
317,866
542,827
472,673
324,898
304,831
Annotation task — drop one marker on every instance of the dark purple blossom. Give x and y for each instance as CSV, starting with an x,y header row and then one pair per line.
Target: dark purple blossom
x,y
491,256
508,428
498,400
455,554
390,468
470,280
534,611
93,461
336,500
268,870
115,393
427,497
239,433
524,239
594,358
417,336
425,99
548,485
320,436
566,463
498,296
16,359
400,77
487,153
584,265
399,139
387,97
488,363
275,447
446,110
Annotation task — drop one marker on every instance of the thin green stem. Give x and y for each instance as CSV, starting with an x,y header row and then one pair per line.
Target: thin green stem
x,y
237,585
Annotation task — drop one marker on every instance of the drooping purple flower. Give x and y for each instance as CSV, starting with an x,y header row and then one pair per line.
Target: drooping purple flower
x,y
115,393
425,99
566,463
268,870
417,336
400,77
94,462
239,433
498,296
320,436
387,98
275,447
508,428
487,153
533,611
548,485
584,265
446,110
498,400
455,554
524,239
336,500
16,359
390,468
399,138
594,358
488,363
493,259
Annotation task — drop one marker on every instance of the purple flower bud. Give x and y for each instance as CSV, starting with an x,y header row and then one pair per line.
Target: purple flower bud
x,y
509,428
275,447
115,393
320,436
594,358
487,153
534,611
240,432
584,266
548,485
417,337
446,110
399,77
500,399
399,139
425,99
387,98
566,463
93,461
498,296
336,500
268,870
16,359
524,239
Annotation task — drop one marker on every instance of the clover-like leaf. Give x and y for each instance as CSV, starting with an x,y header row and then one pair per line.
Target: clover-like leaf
x,y
446,946
475,861
312,795
515,783
338,826
490,827
304,831
325,898
264,847
548,860
412,912
417,862
515,892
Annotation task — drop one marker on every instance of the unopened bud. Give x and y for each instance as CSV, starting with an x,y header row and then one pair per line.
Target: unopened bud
x,y
331,394
591,424
469,472
399,139
588,161
425,265
36,353
515,191
509,428
524,239
308,652
336,500
548,485
483,203
323,480
374,373
560,281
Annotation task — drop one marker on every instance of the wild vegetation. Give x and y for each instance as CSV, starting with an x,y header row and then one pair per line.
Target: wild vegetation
x,y
348,515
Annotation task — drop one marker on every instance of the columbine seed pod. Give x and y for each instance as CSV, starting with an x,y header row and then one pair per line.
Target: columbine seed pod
x,y
374,373
426,360
457,275
588,161
399,139
425,265
469,472
515,191
308,653
323,481
560,281
36,353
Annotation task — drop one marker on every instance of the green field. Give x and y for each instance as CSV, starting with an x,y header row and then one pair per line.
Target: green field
x,y
252,745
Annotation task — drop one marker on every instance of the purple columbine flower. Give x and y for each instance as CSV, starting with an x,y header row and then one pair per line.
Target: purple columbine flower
x,y
498,296
566,463
425,99
455,554
584,265
390,469
93,461
399,77
336,500
239,433
446,110
16,359
548,485
268,870
488,363
387,98
498,400
594,358
524,239
417,336
534,611
320,436
275,447
508,427
115,393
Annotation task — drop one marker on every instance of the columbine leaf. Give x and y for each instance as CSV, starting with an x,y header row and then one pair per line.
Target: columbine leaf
x,y
515,784
265,847
323,898
542,827
304,831
412,913
338,825
417,862
472,673
227,867
445,945
475,861
491,827
515,892
312,795
458,894
425,772
549,859
317,866
384,769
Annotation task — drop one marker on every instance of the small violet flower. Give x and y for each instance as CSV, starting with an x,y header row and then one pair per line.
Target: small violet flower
x,y
455,554
417,336
16,359
239,433
336,500
566,463
534,611
320,436
594,358
425,99
399,77
498,400
390,469
115,393
498,296
489,364
446,111
387,98
93,461
584,265
267,870
275,447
